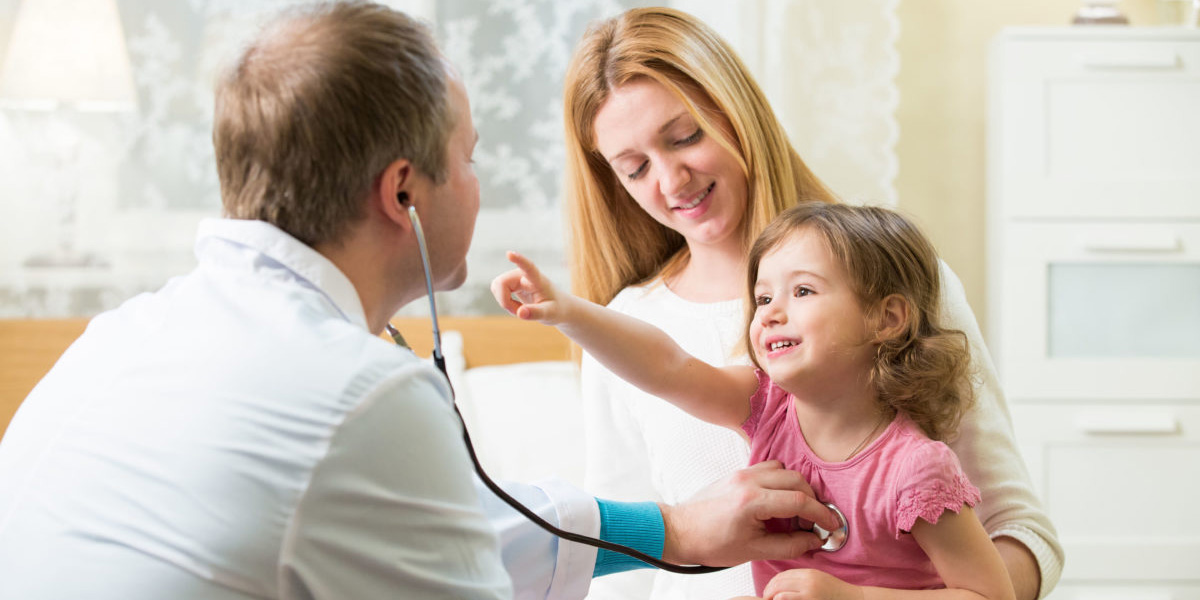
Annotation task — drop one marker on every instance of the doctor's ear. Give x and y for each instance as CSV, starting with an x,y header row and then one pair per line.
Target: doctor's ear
x,y
394,193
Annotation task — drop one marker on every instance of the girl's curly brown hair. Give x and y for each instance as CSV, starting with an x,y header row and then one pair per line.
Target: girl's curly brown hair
x,y
923,371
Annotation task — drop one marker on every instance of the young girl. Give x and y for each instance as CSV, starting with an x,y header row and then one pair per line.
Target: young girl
x,y
855,381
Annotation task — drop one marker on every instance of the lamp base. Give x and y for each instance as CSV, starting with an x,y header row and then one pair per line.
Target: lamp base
x,y
67,259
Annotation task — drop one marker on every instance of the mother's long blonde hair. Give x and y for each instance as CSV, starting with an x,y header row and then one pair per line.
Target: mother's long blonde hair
x,y
614,243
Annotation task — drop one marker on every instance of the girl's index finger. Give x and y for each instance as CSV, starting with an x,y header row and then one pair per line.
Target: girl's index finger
x,y
525,264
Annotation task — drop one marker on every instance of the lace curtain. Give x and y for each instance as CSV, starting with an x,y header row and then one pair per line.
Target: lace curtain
x,y
141,180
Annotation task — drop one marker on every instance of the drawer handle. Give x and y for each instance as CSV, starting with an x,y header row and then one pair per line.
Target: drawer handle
x,y
1128,423
1157,60
1123,594
1133,243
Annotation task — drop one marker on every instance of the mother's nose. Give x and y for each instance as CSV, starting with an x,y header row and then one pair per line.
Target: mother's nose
x,y
674,177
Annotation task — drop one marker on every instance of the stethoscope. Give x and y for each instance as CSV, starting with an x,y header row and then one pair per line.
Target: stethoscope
x,y
833,540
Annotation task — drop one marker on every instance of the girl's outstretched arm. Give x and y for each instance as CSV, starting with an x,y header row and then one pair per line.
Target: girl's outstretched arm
x,y
634,350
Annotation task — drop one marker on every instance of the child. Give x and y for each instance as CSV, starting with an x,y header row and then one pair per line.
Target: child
x,y
854,382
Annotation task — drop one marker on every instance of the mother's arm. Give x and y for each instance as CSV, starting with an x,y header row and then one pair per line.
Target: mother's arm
x,y
1010,510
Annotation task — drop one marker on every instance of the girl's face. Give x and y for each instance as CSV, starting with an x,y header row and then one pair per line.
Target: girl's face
x,y
674,170
809,329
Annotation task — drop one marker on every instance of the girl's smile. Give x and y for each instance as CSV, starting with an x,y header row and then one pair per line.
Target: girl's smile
x,y
776,346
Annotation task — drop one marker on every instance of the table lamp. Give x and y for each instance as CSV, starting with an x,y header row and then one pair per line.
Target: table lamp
x,y
67,57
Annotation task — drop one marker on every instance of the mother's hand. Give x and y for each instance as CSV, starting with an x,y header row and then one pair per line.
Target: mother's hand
x,y
724,524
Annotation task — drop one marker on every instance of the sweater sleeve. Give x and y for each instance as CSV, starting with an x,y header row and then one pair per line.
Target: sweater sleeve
x,y
988,451
637,525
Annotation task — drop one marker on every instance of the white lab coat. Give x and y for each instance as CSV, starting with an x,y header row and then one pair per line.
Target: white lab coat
x,y
240,434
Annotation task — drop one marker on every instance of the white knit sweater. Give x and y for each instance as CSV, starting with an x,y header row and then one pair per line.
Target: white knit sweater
x,y
641,448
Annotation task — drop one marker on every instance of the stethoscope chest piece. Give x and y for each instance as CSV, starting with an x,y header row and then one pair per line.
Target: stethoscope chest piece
x,y
834,540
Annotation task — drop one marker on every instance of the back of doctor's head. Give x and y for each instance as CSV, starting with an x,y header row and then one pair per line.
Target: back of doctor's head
x,y
318,105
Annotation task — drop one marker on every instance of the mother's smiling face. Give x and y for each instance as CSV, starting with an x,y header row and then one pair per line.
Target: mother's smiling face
x,y
676,171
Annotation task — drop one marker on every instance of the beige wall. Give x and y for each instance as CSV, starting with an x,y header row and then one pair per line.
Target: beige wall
x,y
943,73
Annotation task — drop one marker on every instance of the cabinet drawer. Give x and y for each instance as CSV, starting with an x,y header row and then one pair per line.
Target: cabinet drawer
x,y
1103,128
1120,482
1146,591
1104,311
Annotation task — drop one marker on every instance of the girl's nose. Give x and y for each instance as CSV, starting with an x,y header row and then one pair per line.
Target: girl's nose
x,y
772,313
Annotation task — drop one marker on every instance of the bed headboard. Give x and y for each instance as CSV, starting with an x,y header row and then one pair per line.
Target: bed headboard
x,y
500,340
29,347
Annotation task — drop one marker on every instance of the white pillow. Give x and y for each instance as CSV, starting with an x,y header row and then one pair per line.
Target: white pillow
x,y
526,420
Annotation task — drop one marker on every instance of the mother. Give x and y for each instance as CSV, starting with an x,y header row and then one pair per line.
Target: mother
x,y
675,163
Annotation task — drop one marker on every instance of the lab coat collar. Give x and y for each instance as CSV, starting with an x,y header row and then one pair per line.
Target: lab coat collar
x,y
299,258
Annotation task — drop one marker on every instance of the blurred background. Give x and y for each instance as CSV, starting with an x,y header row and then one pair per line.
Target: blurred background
x,y
105,114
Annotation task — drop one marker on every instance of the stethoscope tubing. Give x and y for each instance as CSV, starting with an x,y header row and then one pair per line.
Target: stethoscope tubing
x,y
440,361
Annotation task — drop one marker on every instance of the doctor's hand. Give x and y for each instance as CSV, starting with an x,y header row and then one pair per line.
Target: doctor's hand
x,y
529,295
723,525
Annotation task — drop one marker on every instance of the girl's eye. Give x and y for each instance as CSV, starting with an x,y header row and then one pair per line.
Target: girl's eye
x,y
762,300
638,173
691,139
802,291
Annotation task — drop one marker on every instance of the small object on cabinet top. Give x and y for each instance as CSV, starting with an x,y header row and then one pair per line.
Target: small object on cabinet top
x,y
1099,12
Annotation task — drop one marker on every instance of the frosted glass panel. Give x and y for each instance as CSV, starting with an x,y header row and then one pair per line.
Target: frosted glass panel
x,y
1124,310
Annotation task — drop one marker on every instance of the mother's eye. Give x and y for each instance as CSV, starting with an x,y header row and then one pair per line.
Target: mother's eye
x,y
637,173
691,139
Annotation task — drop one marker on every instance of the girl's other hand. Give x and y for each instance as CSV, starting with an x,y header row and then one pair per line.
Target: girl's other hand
x,y
810,584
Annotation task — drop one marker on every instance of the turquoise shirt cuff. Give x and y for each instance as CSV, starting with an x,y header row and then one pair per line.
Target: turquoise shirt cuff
x,y
638,525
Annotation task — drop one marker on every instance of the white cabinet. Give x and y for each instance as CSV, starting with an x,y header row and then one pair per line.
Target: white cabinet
x,y
1106,124
1121,484
1094,294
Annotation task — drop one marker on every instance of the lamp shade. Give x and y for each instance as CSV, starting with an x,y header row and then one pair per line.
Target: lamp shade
x,y
67,53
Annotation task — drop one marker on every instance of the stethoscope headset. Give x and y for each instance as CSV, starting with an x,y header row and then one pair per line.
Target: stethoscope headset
x,y
833,540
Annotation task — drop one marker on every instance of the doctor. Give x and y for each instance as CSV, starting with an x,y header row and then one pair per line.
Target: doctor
x,y
244,432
